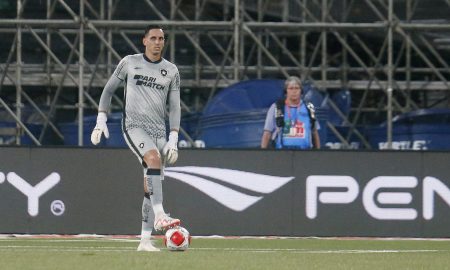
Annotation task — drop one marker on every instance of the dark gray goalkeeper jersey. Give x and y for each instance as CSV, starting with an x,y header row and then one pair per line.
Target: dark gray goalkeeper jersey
x,y
147,87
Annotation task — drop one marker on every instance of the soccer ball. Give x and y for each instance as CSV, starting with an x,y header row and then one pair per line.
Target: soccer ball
x,y
177,239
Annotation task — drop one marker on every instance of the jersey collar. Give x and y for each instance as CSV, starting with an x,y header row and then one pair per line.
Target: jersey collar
x,y
150,61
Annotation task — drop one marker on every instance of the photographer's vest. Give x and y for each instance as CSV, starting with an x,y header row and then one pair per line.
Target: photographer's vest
x,y
296,131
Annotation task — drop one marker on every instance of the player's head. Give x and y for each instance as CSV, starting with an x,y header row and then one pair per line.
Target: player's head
x,y
293,88
153,40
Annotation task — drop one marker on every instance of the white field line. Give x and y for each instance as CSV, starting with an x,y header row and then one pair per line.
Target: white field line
x,y
134,238
343,251
64,247
38,239
67,240
250,250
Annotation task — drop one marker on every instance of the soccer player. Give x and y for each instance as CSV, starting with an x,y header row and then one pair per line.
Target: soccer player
x,y
149,80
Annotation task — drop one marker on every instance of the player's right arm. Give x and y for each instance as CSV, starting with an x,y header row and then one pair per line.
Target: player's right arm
x,y
116,79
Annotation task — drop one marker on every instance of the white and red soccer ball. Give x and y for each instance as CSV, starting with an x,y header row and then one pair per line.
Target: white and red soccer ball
x,y
177,239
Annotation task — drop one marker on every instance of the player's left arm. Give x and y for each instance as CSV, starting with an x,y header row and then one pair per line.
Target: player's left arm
x,y
171,149
174,104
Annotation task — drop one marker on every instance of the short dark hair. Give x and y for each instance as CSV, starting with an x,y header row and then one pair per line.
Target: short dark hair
x,y
150,27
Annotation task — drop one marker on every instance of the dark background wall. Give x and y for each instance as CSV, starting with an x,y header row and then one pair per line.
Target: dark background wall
x,y
227,192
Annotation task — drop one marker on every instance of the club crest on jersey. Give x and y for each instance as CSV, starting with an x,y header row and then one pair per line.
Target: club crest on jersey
x,y
163,72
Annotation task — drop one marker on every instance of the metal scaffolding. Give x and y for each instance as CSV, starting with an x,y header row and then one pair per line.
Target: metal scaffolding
x,y
393,56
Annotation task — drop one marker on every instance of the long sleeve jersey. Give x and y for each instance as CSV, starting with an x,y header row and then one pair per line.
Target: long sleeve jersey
x,y
147,86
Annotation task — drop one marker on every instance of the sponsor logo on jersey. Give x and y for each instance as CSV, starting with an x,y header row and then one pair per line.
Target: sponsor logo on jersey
x,y
148,81
163,72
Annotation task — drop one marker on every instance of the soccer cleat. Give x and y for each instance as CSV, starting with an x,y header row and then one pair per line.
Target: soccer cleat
x,y
146,245
165,222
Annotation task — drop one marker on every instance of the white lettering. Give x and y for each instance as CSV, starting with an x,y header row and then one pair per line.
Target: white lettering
x,y
420,145
405,145
314,182
389,182
394,197
377,199
33,193
338,145
431,186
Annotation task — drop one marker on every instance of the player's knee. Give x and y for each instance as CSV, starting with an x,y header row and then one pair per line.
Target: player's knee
x,y
152,159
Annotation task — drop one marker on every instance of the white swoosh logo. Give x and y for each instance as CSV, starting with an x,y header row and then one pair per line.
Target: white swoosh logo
x,y
226,196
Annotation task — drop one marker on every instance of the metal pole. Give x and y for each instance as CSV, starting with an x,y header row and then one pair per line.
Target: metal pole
x,y
303,42
197,40
242,40
390,76
258,50
285,18
344,51
109,38
80,76
408,56
236,39
19,74
220,25
103,32
324,43
48,60
173,6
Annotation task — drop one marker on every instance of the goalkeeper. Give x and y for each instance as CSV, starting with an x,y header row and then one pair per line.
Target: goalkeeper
x,y
149,81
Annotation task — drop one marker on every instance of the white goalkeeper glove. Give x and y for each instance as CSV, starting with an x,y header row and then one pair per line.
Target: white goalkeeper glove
x,y
100,128
170,150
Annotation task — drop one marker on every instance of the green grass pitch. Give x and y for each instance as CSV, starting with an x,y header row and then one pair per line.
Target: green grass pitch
x,y
113,253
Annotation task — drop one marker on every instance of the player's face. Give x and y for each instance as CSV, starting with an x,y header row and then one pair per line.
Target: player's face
x,y
154,42
293,92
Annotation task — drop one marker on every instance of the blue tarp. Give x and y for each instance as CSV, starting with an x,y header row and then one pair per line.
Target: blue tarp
x,y
235,116
243,96
425,129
